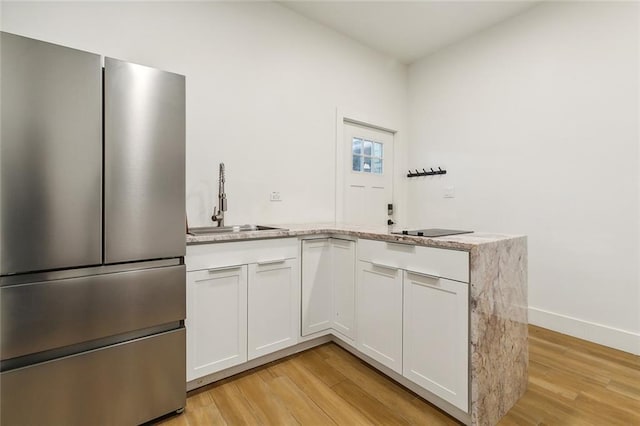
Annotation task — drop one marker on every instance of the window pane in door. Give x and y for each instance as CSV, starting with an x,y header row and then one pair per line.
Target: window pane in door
x,y
377,149
356,147
367,148
376,165
366,167
357,163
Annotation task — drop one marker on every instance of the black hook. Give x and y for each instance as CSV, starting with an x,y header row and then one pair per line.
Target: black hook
x,y
424,172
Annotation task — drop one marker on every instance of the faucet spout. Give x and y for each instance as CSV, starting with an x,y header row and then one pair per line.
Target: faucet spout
x,y
218,214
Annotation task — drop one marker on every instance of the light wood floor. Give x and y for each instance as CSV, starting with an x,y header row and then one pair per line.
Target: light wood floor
x,y
571,382
575,382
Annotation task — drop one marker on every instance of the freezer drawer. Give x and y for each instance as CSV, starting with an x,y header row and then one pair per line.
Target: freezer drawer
x,y
51,167
45,315
144,119
125,384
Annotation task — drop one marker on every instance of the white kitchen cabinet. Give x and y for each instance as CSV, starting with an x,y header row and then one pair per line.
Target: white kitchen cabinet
x,y
328,286
243,301
274,306
435,339
451,264
379,314
431,333
411,316
207,256
216,320
344,286
317,283
406,312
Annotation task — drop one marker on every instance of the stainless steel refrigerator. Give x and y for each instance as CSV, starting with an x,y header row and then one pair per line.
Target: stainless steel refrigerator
x,y
92,286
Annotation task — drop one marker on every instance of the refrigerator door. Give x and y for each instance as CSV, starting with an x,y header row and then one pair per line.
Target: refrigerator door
x,y
144,163
51,156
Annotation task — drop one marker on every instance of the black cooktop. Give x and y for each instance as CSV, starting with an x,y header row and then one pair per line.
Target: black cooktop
x,y
432,232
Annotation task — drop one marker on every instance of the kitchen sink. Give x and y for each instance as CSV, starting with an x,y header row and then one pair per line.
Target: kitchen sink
x,y
207,230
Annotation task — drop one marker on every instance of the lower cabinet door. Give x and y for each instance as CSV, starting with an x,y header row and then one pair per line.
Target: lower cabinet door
x,y
317,278
379,296
436,336
274,306
344,286
216,320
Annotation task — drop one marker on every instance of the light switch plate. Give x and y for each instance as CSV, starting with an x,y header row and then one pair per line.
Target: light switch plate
x,y
449,192
275,196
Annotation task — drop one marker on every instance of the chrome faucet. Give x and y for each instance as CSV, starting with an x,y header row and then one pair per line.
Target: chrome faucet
x,y
222,200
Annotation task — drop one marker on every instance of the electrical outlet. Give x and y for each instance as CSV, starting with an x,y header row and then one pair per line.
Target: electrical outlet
x,y
449,192
275,196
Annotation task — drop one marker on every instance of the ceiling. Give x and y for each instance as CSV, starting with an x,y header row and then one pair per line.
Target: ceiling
x,y
408,30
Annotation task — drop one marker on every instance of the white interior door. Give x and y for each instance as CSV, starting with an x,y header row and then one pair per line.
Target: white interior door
x,y
368,174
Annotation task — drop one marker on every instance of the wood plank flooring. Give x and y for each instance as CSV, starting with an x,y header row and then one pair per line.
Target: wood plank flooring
x,y
571,382
575,382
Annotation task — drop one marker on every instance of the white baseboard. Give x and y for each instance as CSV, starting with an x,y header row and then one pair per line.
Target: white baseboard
x,y
616,338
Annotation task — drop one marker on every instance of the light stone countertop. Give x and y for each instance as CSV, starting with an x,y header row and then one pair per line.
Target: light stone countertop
x,y
465,242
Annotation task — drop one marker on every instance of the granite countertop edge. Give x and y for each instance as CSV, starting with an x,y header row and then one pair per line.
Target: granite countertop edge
x,y
464,242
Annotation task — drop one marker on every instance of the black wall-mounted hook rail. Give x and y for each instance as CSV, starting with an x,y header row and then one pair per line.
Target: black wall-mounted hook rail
x,y
431,172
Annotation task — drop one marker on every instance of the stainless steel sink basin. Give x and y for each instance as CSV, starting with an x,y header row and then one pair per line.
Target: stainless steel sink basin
x,y
206,230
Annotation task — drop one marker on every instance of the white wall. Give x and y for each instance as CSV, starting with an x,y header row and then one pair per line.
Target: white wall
x,y
263,85
536,121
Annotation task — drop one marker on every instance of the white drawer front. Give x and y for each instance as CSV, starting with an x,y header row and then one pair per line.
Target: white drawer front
x,y
217,255
451,264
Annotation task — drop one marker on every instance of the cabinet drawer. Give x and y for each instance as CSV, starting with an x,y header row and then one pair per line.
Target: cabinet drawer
x,y
46,315
216,255
125,384
451,264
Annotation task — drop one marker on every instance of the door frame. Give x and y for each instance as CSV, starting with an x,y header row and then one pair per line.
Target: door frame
x,y
343,116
